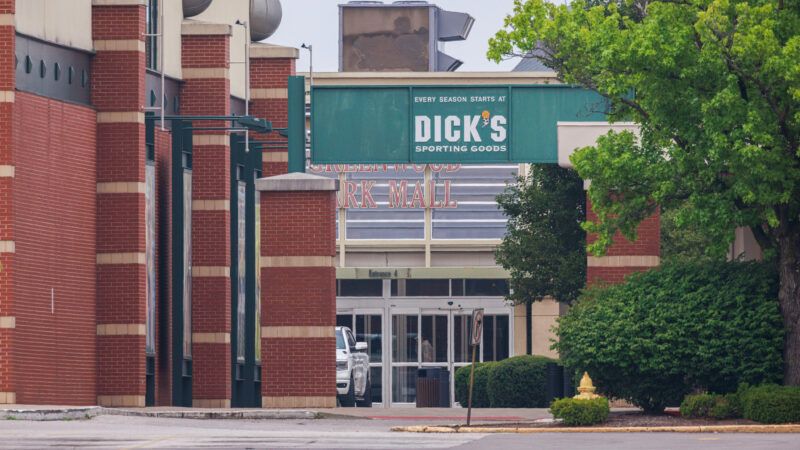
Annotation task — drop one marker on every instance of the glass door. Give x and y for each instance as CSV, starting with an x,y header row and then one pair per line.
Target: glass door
x,y
405,355
369,329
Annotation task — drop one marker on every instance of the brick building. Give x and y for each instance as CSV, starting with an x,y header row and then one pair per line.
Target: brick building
x,y
149,262
131,255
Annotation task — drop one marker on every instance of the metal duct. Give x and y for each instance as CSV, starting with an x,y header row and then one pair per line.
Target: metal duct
x,y
446,63
265,18
454,26
192,8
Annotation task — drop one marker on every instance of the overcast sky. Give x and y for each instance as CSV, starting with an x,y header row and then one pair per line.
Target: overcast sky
x,y
316,22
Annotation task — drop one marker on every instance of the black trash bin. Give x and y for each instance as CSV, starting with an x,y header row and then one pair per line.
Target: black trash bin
x,y
555,381
433,387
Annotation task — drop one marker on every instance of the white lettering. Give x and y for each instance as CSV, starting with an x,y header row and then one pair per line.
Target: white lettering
x,y
422,129
451,133
498,125
471,129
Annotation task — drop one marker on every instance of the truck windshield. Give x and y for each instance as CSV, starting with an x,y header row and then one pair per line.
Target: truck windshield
x,y
339,340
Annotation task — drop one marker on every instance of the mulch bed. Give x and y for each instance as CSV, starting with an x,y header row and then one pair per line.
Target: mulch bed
x,y
617,419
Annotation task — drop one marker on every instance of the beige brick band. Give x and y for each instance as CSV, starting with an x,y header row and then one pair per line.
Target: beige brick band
x,y
623,261
7,171
120,117
298,402
6,96
211,338
136,401
210,271
119,45
189,73
121,187
284,332
192,27
263,50
8,398
122,329
7,20
269,93
211,139
120,258
210,403
7,247
211,205
269,157
297,261
8,322
118,3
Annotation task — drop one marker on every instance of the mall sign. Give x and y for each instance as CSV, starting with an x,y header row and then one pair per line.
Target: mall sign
x,y
445,124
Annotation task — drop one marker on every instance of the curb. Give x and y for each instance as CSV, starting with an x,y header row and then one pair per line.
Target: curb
x,y
277,414
788,428
51,414
89,412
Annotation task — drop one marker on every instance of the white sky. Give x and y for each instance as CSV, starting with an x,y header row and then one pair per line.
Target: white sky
x,y
316,22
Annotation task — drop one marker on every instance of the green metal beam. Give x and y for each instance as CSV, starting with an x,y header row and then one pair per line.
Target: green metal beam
x,y
297,124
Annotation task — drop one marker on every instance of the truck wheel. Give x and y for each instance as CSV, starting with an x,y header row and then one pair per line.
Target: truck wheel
x,y
349,400
366,402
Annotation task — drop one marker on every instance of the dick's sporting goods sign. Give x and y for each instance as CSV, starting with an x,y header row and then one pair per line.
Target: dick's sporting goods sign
x,y
445,124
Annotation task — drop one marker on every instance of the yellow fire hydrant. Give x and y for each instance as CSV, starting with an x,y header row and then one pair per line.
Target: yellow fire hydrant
x,y
586,388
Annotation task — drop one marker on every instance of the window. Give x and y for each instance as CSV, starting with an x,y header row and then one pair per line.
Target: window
x,y
421,288
489,288
495,337
359,288
151,41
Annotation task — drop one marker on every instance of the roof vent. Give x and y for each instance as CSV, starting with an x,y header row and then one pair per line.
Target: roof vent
x,y
192,8
265,18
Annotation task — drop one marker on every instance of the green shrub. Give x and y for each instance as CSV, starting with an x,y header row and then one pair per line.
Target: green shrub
x,y
579,412
519,382
726,407
480,394
771,404
672,330
698,405
714,406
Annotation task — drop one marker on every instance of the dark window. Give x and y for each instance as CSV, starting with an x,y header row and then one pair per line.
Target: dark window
x,y
493,288
70,75
457,287
56,71
42,68
425,288
495,338
151,42
344,320
360,288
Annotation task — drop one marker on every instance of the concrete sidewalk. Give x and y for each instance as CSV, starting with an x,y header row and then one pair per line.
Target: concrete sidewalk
x,y
397,414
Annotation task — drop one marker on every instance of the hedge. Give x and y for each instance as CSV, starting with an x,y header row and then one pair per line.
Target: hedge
x,y
519,382
683,327
714,406
480,394
771,404
580,412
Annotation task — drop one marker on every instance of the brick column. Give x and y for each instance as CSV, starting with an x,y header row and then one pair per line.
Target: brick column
x,y
625,257
118,87
270,68
7,318
205,58
298,294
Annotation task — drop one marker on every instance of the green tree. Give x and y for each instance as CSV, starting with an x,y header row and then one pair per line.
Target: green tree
x,y
544,248
715,88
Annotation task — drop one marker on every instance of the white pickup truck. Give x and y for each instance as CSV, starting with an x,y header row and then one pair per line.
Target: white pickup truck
x,y
352,370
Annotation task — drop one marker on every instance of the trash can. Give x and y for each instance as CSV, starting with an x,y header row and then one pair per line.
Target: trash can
x,y
555,381
433,387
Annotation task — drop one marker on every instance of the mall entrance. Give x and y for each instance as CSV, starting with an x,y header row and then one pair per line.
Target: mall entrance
x,y
405,333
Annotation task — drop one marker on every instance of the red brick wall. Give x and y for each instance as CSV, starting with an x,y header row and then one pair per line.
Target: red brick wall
x,y
6,185
298,224
211,246
54,220
268,73
648,243
117,81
